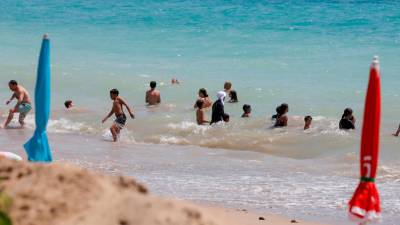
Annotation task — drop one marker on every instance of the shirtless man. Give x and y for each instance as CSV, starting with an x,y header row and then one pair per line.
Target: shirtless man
x,y
153,96
118,110
23,106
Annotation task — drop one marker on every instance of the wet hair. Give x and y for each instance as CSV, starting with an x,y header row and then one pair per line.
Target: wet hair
x,y
307,118
203,91
153,84
68,103
13,82
199,103
347,112
280,110
225,117
233,95
114,92
246,108
229,84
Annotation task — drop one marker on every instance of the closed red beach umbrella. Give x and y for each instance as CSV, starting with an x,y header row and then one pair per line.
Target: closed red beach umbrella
x,y
365,205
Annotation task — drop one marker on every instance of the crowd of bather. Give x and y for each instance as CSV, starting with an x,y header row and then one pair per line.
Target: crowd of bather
x,y
153,97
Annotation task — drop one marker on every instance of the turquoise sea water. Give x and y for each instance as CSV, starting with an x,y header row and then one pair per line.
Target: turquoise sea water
x,y
314,55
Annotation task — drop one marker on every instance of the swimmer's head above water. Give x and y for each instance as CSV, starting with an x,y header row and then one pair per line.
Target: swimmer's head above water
x,y
114,93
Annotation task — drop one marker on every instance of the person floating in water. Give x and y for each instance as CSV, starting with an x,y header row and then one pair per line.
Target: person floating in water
x,y
233,97
218,112
397,132
246,111
153,96
200,114
68,104
117,109
203,95
307,122
23,106
348,121
281,117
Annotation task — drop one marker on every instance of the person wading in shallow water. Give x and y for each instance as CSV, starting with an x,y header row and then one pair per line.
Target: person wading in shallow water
x,y
347,122
218,112
153,96
23,106
117,109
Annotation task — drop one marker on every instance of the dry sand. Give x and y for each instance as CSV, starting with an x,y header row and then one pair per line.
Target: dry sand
x,y
60,194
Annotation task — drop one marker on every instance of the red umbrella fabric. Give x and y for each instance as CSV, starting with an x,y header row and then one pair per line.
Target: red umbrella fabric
x,y
365,205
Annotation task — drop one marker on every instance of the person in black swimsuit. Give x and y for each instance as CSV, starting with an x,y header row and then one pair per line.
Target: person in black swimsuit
x,y
218,112
347,122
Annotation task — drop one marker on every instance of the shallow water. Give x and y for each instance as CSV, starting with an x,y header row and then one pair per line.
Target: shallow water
x,y
313,55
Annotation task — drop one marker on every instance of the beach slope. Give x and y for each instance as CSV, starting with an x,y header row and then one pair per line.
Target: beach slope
x,y
61,194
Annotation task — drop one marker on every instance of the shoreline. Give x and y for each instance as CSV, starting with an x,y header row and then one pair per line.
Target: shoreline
x,y
49,193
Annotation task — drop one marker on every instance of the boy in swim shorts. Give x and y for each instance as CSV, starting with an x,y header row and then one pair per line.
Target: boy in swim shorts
x,y
118,110
23,106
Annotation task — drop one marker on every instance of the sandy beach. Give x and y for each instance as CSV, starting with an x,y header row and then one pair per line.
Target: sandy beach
x,y
57,194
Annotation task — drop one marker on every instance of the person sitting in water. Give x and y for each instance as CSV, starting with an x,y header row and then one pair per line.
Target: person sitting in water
x,y
118,110
225,117
68,104
307,122
218,112
227,87
233,97
23,106
153,96
200,114
203,95
246,111
397,132
347,122
281,118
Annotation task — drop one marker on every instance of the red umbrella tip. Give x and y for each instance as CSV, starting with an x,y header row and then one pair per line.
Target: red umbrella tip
x,y
45,36
375,62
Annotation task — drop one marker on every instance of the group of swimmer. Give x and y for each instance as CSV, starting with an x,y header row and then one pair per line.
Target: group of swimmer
x,y
153,97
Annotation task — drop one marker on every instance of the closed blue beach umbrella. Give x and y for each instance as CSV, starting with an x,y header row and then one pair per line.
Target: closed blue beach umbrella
x,y
37,147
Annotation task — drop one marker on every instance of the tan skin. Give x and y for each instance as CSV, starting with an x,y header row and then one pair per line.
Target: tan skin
x,y
307,124
200,115
207,103
153,97
117,109
22,96
227,86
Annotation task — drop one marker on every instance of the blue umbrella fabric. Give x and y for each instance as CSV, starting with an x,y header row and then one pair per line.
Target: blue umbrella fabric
x,y
37,147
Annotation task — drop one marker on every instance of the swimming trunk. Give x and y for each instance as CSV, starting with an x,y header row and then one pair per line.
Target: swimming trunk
x,y
24,109
120,121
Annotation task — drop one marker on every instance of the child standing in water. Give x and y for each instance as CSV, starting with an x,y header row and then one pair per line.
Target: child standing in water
x,y
307,122
246,111
200,114
118,110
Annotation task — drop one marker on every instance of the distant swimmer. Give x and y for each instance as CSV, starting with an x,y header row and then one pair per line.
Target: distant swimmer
x,y
397,132
218,112
203,95
68,104
227,87
233,97
23,106
348,121
200,114
307,122
174,81
153,96
281,117
117,109
246,111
